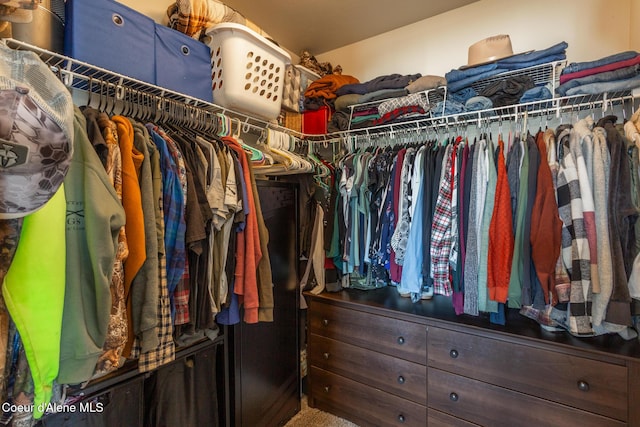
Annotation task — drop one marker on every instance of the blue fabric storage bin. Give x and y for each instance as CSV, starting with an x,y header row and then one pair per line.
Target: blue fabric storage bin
x,y
183,64
110,35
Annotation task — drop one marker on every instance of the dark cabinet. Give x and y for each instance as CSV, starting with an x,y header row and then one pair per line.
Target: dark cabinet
x,y
264,357
435,368
186,392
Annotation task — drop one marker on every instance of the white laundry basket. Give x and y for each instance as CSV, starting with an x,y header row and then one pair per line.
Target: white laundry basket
x,y
247,70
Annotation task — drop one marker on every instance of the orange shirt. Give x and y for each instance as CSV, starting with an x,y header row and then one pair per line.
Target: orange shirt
x,y
132,203
501,238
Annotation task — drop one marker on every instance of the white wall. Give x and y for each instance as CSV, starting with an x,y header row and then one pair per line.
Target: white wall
x,y
634,24
150,8
158,13
592,28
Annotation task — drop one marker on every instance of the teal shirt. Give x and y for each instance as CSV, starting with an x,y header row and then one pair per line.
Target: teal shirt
x,y
484,303
517,266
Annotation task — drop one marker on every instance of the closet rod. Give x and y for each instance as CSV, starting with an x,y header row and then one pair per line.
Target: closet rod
x,y
554,106
78,75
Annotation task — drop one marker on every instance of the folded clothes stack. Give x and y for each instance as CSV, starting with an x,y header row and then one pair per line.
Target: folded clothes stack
x,y
399,97
322,92
612,73
498,59
391,81
464,77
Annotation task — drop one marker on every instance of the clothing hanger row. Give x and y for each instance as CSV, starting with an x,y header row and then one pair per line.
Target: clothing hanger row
x,y
116,98
517,121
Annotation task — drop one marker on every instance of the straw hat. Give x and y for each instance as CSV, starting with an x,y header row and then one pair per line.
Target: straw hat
x,y
489,50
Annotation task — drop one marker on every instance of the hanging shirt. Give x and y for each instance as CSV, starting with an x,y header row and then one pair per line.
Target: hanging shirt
x,y
173,212
583,141
575,245
476,206
484,303
401,233
164,351
500,235
519,209
441,230
412,269
248,250
546,228
395,270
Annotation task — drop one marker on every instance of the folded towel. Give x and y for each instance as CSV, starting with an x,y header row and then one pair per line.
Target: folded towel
x,y
326,87
426,83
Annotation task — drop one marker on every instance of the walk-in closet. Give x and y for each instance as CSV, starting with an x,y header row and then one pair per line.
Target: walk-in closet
x,y
342,214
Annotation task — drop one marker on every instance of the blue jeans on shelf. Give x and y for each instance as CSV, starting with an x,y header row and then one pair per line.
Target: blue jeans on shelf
x,y
461,84
450,107
538,93
457,75
478,103
462,95
601,87
608,76
537,56
512,66
579,66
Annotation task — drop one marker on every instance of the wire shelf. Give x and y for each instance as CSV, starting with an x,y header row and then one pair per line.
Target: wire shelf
x,y
547,108
431,97
145,99
154,102
541,74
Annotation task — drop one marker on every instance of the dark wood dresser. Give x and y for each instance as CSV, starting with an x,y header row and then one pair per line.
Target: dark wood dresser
x,y
378,359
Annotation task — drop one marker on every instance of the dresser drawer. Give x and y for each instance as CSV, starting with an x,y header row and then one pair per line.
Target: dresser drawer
x,y
383,334
397,376
595,386
440,419
362,404
489,405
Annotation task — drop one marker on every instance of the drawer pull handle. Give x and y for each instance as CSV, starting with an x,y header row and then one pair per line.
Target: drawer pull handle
x,y
326,389
325,322
326,356
401,379
401,418
453,353
400,340
583,386
454,396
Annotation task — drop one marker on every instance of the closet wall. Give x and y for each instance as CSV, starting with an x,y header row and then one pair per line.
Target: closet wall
x,y
634,20
592,28
157,10
154,9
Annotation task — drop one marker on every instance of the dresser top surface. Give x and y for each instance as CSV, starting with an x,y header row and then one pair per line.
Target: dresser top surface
x,y
439,311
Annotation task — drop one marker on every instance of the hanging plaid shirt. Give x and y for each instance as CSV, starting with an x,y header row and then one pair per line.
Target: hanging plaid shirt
x,y
441,231
453,254
164,351
575,246
174,218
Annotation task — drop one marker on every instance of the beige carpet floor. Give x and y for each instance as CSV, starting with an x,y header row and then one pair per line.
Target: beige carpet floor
x,y
311,417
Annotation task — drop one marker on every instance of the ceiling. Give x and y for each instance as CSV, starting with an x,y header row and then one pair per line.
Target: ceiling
x,y
321,26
